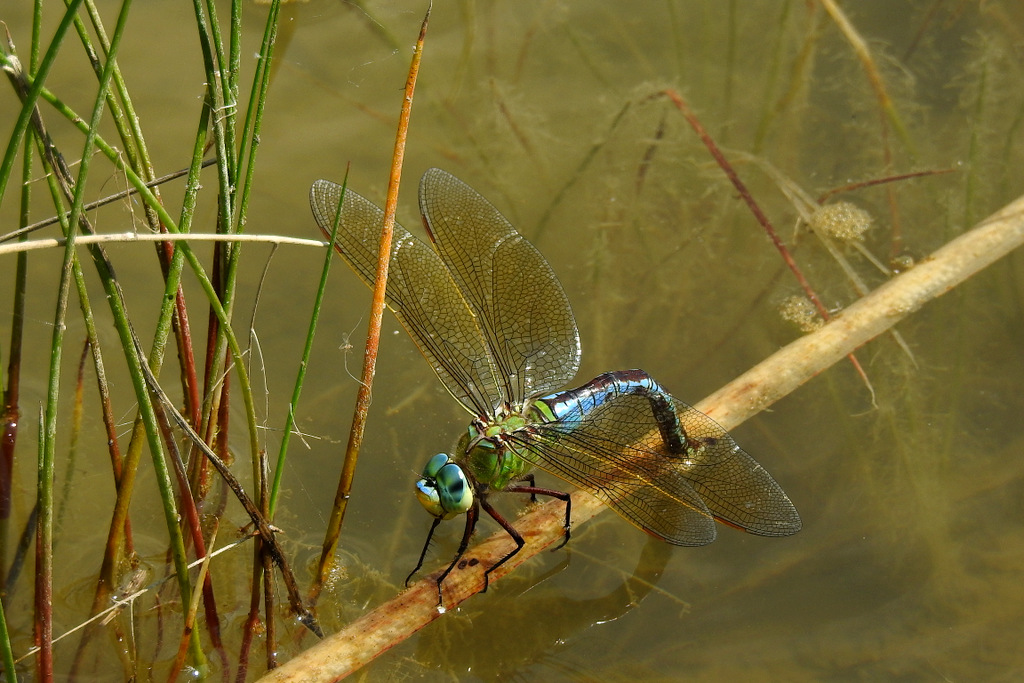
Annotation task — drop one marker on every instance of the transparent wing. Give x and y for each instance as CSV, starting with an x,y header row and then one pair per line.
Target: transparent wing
x,y
615,453
520,305
420,291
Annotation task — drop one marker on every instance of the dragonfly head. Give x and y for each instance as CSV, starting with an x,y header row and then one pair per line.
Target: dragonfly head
x,y
444,490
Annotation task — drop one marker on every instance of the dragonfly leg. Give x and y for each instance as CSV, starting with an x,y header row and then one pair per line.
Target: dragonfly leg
x,y
423,553
535,491
510,530
533,483
471,517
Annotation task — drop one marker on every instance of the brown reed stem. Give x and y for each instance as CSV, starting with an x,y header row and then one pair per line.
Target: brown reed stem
x,y
362,408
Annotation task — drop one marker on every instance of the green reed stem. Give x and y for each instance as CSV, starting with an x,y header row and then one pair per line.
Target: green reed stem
x,y
39,77
130,132
250,137
220,95
209,39
44,575
254,112
307,350
228,175
6,653
123,325
131,462
117,115
147,196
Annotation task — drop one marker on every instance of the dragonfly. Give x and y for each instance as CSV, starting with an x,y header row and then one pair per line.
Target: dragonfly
x,y
491,318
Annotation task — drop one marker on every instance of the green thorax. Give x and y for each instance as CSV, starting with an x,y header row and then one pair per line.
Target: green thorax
x,y
490,451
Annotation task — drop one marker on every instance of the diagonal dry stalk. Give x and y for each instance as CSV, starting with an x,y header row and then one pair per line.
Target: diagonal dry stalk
x,y
755,390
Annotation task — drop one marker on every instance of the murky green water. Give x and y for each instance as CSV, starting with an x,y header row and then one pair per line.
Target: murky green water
x,y
909,563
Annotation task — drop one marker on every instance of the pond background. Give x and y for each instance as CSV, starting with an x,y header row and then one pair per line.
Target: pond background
x,y
909,563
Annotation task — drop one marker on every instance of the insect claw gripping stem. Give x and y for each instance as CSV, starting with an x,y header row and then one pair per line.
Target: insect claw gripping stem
x,y
534,491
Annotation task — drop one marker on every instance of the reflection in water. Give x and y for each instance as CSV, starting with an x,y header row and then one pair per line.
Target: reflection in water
x,y
532,625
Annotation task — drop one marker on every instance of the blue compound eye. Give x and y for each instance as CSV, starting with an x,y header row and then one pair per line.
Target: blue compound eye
x,y
454,489
435,463
444,491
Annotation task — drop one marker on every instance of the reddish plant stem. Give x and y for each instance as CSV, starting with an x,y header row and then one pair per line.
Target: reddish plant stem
x,y
755,209
262,562
200,467
252,621
747,198
268,569
43,623
373,334
879,181
186,357
181,327
11,411
192,523
8,441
